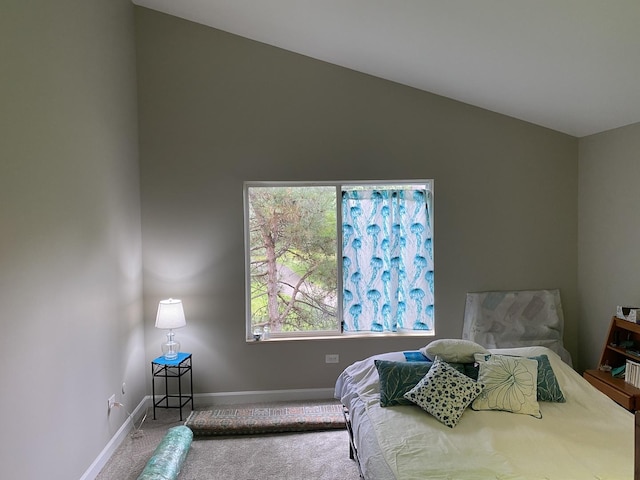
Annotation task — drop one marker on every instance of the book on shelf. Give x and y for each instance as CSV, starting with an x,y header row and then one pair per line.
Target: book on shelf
x,y
632,373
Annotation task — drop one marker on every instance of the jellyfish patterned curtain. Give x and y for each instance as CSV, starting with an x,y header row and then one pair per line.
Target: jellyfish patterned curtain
x,y
387,260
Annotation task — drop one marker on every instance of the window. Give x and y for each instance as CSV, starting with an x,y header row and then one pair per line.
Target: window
x,y
330,259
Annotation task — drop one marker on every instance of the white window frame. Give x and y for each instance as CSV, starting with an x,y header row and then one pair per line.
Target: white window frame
x,y
324,334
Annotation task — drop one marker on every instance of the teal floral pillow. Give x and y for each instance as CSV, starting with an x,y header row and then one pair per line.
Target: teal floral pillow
x,y
548,387
397,378
445,393
510,385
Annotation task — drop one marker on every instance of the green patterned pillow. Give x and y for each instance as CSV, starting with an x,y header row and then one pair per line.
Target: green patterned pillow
x,y
397,378
445,393
510,385
548,387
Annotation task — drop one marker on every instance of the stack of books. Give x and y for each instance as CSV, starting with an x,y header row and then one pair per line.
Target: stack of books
x,y
632,373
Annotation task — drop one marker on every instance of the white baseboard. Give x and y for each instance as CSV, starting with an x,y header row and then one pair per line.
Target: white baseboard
x,y
97,465
203,400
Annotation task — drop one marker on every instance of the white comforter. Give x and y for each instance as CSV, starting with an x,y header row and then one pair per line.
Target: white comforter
x,y
588,437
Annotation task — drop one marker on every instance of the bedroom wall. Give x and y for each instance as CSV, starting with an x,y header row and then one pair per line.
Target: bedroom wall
x,y
609,230
70,258
216,110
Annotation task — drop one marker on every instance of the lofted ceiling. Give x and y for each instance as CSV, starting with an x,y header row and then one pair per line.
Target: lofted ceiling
x,y
569,65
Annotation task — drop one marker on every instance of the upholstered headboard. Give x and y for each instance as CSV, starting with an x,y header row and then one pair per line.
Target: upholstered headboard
x,y
520,318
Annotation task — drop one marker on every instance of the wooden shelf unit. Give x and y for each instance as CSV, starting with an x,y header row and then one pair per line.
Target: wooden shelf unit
x,y
615,355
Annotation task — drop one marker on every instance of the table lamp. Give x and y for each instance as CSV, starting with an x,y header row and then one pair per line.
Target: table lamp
x,y
170,316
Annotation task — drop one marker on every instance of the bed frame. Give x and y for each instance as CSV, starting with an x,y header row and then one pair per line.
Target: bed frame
x,y
353,451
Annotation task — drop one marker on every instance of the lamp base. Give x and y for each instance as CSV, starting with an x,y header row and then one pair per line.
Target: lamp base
x,y
170,348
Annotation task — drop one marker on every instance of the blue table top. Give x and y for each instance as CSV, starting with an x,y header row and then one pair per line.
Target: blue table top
x,y
182,356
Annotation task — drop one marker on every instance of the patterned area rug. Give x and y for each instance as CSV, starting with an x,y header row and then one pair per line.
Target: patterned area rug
x,y
267,418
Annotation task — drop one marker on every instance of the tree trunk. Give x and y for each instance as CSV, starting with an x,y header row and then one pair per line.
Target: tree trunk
x,y
275,322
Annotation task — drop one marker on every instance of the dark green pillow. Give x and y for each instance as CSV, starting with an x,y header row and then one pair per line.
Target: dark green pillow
x,y
548,387
469,369
397,378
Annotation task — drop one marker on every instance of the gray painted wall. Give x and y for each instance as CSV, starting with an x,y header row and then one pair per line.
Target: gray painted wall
x,y
216,110
70,241
609,233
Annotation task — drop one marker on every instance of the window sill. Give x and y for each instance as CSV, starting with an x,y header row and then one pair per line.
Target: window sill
x,y
343,336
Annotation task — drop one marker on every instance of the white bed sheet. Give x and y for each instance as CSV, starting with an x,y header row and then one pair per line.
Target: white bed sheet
x,y
588,437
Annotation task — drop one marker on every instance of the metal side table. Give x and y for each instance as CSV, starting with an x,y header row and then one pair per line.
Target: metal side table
x,y
177,368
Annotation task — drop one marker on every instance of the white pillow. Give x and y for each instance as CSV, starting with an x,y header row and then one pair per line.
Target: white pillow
x,y
453,350
510,384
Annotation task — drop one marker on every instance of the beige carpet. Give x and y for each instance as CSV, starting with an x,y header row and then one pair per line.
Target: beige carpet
x,y
320,455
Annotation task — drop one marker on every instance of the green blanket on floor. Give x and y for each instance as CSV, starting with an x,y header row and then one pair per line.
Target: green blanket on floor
x,y
169,455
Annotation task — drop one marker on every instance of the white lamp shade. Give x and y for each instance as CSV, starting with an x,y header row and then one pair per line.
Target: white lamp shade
x,y
170,314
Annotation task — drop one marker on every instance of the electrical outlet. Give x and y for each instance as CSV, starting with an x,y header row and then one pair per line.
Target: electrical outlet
x,y
111,401
332,358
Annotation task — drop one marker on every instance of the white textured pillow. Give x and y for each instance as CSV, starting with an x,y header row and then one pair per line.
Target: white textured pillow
x,y
453,350
510,384
444,392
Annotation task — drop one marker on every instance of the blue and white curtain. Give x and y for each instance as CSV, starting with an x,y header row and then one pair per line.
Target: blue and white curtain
x,y
387,260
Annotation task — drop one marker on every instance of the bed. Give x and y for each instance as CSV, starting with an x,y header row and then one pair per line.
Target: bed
x,y
584,437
